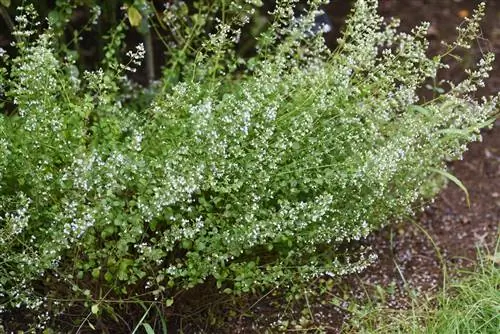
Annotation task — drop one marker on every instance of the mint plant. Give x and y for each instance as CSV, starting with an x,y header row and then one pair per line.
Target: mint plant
x,y
249,172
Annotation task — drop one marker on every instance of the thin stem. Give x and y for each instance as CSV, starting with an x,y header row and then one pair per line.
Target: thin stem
x,y
150,59
6,17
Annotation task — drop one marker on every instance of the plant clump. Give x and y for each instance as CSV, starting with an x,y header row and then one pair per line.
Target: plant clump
x,y
246,172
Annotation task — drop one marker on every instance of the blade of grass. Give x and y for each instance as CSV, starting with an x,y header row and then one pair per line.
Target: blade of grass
x,y
455,180
162,320
143,317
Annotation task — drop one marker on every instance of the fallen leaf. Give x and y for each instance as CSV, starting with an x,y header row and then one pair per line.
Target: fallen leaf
x,y
463,13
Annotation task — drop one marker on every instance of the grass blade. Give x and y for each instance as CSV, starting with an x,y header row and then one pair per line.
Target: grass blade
x,y
455,180
142,320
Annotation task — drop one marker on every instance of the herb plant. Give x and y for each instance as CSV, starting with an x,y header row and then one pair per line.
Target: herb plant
x,y
247,172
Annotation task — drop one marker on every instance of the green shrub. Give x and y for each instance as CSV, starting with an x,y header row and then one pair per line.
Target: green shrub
x,y
247,172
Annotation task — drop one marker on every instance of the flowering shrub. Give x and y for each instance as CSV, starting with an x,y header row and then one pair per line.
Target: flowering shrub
x,y
247,172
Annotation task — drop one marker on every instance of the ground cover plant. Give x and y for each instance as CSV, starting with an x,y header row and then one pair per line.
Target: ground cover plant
x,y
246,172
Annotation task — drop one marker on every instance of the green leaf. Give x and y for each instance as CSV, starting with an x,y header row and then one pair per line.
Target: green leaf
x,y
108,231
417,108
456,181
169,302
187,244
134,16
108,276
122,272
96,272
148,328
143,317
183,9
5,3
153,224
199,245
95,308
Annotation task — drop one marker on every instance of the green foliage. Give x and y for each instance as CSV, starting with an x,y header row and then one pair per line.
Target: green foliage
x,y
469,304
248,172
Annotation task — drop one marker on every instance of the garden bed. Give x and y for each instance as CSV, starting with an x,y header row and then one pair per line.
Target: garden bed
x,y
178,286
